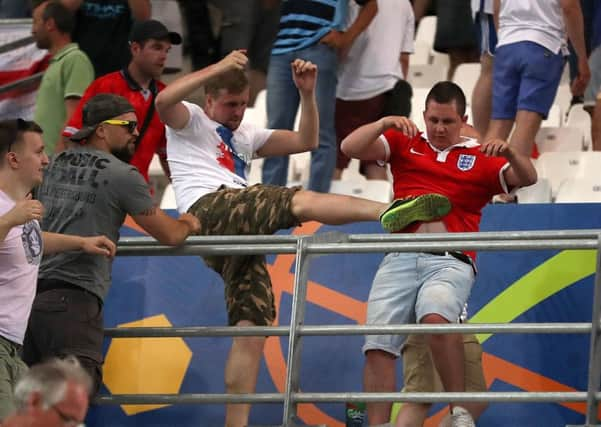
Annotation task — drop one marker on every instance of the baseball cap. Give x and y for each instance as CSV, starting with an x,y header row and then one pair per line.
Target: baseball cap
x,y
152,29
99,108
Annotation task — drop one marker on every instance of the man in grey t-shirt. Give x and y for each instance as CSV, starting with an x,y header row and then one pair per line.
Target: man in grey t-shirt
x,y
90,189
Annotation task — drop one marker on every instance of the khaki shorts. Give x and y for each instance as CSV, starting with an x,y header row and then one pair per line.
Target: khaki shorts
x,y
12,368
419,372
259,209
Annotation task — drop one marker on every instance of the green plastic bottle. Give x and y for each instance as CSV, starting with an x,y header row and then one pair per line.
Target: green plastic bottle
x,y
356,415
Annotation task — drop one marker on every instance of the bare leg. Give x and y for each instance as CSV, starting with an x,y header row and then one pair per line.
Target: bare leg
x,y
499,129
459,56
241,371
482,95
527,124
257,82
596,125
379,375
334,209
412,415
448,356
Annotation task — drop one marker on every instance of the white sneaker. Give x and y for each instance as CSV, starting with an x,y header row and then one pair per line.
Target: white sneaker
x,y
460,417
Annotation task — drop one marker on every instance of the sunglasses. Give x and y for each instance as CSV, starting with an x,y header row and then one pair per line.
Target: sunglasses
x,y
130,124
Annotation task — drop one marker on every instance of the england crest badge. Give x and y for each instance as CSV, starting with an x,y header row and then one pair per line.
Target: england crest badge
x,y
465,162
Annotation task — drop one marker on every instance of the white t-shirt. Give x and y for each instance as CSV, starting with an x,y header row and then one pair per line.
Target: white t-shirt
x,y
20,255
200,161
538,21
373,63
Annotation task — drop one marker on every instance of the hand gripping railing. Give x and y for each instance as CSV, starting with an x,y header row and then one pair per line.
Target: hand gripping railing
x,y
307,247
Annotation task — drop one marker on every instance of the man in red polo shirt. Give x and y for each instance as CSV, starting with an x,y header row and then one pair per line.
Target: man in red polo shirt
x,y
139,83
431,287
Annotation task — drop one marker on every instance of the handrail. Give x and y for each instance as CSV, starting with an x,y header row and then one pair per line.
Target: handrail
x,y
307,247
24,82
335,330
16,44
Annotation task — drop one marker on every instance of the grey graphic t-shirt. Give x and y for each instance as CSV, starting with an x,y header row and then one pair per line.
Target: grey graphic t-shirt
x,y
88,192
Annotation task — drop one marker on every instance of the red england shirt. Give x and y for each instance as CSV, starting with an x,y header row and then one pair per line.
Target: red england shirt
x,y
121,83
461,173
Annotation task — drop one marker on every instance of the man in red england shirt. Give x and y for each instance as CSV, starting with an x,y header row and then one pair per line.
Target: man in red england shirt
x,y
431,287
150,42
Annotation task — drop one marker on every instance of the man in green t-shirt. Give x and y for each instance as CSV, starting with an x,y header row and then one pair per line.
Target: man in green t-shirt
x,y
68,75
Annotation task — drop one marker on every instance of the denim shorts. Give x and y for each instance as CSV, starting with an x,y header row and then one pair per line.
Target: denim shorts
x,y
594,85
525,77
407,286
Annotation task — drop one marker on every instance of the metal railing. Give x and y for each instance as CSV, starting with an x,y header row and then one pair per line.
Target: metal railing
x,y
308,247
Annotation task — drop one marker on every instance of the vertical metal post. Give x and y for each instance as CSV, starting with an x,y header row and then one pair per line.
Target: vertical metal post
x,y
594,364
297,318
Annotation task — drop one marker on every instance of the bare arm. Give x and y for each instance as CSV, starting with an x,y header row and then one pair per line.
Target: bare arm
x,y
141,10
169,101
596,124
496,12
344,40
405,64
167,230
282,142
419,8
97,245
363,142
521,171
572,15
23,211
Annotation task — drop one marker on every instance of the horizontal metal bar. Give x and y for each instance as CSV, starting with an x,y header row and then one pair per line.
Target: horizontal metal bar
x,y
22,82
329,330
170,399
223,250
336,248
193,398
575,396
509,245
198,331
482,235
15,21
16,44
370,238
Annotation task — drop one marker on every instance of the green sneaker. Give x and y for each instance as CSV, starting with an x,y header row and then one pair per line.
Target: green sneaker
x,y
403,212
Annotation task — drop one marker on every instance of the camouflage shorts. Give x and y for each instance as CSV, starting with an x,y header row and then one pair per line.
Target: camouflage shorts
x,y
259,209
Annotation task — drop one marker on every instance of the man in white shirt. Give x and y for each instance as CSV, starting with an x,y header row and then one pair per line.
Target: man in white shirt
x,y
529,61
22,243
369,83
209,152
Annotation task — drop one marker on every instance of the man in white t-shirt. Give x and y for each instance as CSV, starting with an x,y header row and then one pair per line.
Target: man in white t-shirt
x,y
529,60
370,83
209,152
22,243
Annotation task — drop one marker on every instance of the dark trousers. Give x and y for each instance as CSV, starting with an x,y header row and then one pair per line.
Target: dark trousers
x,y
66,320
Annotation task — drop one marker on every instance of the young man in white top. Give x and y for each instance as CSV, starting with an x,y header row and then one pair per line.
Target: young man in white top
x,y
209,152
529,60
22,243
372,85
